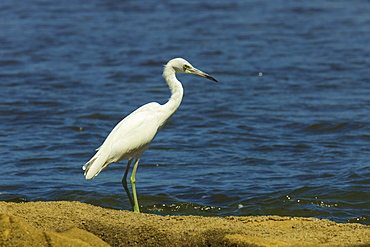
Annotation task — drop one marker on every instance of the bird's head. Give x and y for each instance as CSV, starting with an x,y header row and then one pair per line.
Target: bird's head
x,y
180,65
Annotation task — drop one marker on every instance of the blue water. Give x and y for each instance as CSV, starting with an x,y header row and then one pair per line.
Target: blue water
x,y
285,132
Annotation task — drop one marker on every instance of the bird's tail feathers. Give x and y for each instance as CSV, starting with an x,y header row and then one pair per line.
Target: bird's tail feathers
x,y
95,165
86,166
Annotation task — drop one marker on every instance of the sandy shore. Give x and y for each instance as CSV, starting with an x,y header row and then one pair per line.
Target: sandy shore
x,y
80,224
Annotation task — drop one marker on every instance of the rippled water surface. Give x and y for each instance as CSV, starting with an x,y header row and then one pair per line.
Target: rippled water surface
x,y
285,132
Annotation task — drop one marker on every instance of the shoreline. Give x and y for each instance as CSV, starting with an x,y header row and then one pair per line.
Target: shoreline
x,y
80,224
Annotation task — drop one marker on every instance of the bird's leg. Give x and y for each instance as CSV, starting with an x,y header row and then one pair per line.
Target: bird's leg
x,y
124,182
133,187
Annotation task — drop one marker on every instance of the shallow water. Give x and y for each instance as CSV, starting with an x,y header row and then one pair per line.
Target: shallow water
x,y
285,132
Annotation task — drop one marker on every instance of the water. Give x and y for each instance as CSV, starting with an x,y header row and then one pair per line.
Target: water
x,y
285,132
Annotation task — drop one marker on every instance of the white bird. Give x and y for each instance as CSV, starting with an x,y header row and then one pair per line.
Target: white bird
x,y
132,136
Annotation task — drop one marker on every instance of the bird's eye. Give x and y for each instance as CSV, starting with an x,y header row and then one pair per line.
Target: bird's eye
x,y
186,67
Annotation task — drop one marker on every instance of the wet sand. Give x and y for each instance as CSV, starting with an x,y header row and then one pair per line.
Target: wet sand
x,y
79,224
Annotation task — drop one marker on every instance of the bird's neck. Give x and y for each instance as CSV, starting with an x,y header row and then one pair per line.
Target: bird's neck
x,y
176,91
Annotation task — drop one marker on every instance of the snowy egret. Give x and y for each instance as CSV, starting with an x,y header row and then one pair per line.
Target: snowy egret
x,y
132,136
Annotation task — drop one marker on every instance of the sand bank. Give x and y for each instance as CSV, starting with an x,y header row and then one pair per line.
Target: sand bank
x,y
79,224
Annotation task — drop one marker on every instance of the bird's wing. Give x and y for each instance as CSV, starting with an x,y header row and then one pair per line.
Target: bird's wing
x,y
128,139
134,135
139,124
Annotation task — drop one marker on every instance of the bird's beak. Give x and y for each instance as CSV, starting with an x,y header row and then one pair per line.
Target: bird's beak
x,y
195,71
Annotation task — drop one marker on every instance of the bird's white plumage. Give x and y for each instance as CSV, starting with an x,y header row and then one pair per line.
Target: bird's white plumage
x,y
132,136
129,139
